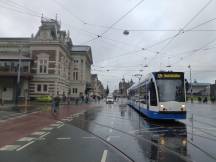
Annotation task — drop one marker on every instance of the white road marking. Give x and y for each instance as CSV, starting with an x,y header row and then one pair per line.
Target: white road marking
x,y
59,122
26,139
24,146
47,129
60,126
54,125
9,147
65,119
104,156
44,135
76,115
91,137
38,133
63,138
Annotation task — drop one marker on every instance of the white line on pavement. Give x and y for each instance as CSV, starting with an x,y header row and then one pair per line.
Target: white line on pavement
x,y
104,156
47,129
26,139
9,147
63,138
91,137
54,125
38,133
44,135
59,122
60,126
25,146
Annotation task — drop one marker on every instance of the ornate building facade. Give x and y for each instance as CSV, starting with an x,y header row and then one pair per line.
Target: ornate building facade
x,y
50,64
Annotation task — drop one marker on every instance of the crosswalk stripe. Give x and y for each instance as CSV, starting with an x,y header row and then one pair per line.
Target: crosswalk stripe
x,y
9,147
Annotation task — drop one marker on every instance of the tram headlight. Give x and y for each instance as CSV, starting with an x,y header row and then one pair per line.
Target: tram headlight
x,y
183,108
162,141
184,142
162,108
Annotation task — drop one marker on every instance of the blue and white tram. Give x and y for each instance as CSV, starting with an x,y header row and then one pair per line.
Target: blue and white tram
x,y
161,95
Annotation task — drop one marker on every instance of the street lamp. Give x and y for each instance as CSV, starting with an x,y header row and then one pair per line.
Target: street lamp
x,y
139,76
18,77
189,66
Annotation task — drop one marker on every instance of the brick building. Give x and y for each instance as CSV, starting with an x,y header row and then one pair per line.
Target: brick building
x,y
50,64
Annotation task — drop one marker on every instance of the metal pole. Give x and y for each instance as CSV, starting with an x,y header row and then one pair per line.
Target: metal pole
x,y
192,119
18,78
190,84
139,102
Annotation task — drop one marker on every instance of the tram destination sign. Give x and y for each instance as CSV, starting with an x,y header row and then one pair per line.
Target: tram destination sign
x,y
169,75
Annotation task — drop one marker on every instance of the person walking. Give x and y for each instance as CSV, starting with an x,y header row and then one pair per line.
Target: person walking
x,y
53,105
57,103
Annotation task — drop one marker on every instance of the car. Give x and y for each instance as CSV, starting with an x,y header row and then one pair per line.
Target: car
x,y
44,99
109,100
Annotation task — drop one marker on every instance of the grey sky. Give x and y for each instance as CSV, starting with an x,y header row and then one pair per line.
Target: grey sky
x,y
110,53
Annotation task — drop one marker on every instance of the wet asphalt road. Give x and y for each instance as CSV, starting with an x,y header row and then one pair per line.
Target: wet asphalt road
x,y
116,133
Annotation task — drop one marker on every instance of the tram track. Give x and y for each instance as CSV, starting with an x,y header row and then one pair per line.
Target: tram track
x,y
168,149
137,137
146,129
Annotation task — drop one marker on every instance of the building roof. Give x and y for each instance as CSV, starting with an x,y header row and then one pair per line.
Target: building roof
x,y
78,48
15,39
12,56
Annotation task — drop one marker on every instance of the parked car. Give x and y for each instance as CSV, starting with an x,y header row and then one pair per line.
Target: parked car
x,y
109,100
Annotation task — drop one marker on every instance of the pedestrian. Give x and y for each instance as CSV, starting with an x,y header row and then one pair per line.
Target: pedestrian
x,y
57,103
53,105
205,100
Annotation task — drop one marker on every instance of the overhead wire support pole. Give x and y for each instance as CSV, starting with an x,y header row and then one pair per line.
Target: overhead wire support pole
x,y
18,76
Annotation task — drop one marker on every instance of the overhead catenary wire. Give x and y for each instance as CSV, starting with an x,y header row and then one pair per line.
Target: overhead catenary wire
x,y
118,20
69,11
19,11
185,26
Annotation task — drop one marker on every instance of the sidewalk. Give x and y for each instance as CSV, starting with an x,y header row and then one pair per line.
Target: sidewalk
x,y
12,130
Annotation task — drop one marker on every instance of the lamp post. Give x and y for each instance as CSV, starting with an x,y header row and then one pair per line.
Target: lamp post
x,y
139,76
189,66
146,87
18,78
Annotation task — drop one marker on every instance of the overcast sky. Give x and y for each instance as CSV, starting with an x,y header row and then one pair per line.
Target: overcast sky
x,y
116,55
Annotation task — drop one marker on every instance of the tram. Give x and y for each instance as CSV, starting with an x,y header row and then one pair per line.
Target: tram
x,y
160,95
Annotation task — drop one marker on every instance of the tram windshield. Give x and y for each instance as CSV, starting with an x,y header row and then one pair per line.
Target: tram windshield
x,y
170,90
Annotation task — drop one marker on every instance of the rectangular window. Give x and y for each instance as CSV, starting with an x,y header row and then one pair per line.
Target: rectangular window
x,y
43,66
44,88
75,75
75,90
39,88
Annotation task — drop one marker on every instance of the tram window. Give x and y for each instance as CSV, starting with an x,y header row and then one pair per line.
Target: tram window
x,y
153,96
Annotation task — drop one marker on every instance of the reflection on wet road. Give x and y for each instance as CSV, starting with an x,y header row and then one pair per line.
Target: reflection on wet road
x,y
142,140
